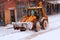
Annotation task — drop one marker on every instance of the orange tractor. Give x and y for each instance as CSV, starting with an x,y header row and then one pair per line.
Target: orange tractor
x,y
35,19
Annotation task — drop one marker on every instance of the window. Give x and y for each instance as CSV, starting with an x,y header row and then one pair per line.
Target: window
x,y
36,12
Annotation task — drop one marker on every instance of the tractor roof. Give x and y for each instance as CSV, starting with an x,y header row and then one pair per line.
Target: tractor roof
x,y
34,8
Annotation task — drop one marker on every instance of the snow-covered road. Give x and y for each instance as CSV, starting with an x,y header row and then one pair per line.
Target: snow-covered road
x,y
11,34
51,35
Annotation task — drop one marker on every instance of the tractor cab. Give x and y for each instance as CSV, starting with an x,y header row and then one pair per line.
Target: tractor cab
x,y
35,11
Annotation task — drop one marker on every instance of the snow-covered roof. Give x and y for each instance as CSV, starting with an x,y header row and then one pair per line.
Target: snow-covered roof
x,y
54,2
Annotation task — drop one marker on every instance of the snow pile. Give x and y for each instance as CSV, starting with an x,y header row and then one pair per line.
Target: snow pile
x,y
9,26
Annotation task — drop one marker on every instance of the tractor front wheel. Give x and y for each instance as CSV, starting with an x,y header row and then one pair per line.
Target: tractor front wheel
x,y
36,26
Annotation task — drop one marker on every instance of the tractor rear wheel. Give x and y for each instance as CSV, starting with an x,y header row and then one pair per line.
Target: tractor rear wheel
x,y
43,24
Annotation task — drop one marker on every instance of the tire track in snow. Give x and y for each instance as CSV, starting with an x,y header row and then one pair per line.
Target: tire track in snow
x,y
39,33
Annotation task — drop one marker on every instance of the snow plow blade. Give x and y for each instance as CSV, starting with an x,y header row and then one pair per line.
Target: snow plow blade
x,y
22,26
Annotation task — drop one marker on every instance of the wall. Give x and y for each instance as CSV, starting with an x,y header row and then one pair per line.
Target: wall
x,y
9,6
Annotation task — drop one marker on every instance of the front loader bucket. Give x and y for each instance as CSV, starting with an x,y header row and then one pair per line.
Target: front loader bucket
x,y
22,25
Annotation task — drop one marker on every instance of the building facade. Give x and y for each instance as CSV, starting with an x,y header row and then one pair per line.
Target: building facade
x,y
53,7
7,12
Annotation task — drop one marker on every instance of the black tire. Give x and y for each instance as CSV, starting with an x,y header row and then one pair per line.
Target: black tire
x,y
14,27
42,24
22,29
34,28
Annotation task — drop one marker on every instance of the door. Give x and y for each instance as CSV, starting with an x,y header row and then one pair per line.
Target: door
x,y
2,19
12,14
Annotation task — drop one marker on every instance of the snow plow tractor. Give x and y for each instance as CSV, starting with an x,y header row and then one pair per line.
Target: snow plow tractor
x,y
35,19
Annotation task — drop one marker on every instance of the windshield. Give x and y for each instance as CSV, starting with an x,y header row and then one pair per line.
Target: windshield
x,y
35,12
